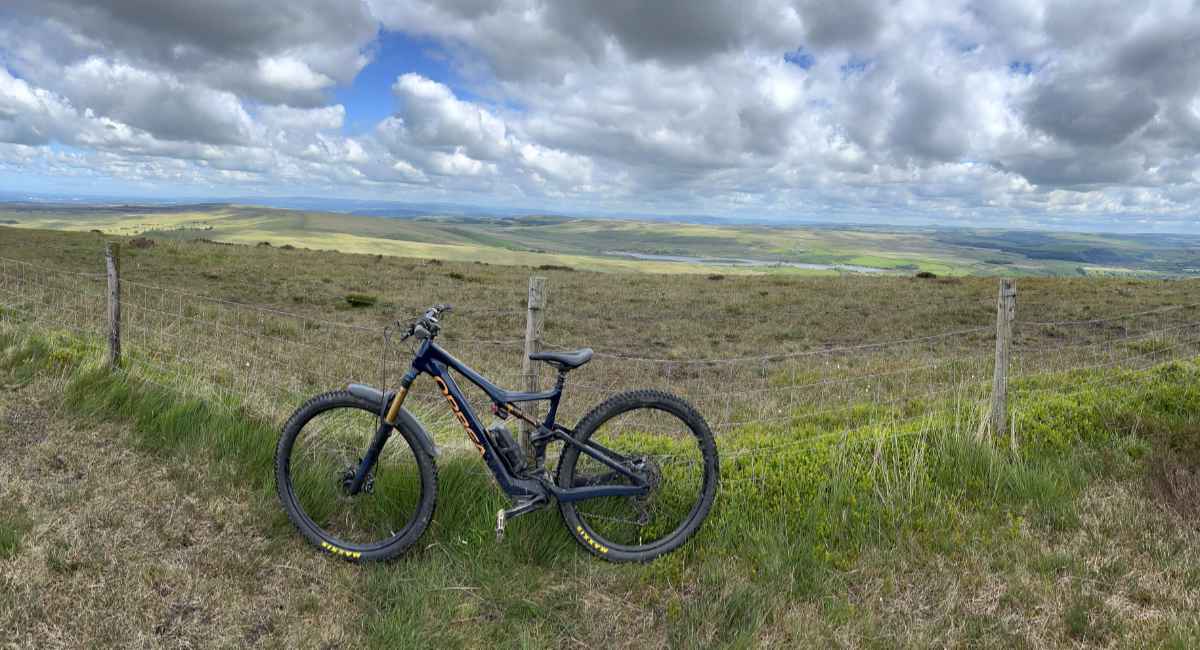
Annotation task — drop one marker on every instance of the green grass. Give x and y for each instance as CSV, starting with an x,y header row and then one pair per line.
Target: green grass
x,y
850,535
589,243
795,534
13,525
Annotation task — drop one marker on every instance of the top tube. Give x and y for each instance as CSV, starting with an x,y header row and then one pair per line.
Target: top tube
x,y
430,353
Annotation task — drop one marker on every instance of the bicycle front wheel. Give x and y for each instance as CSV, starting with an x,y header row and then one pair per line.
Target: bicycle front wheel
x,y
315,460
662,439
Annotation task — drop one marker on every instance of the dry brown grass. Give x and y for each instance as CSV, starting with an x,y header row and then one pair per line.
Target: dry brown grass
x,y
671,316
125,550
1174,477
194,311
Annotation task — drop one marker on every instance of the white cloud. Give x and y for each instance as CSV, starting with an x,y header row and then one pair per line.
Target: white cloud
x,y
289,74
436,119
326,118
28,115
573,169
859,108
458,164
158,103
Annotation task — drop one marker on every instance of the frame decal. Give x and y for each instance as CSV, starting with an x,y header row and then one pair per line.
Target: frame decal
x,y
458,414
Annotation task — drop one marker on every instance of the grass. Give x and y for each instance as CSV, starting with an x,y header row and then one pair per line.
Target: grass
x,y
861,540
882,522
361,300
592,244
656,314
13,524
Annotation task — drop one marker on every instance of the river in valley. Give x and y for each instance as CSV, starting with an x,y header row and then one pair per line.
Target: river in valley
x,y
740,261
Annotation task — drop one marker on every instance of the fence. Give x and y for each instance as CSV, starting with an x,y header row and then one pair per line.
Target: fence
x,y
269,360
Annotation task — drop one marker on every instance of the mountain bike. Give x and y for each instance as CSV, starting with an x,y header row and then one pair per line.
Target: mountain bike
x,y
356,472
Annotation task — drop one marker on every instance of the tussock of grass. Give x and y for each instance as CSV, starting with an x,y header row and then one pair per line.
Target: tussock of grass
x,y
13,524
361,300
791,528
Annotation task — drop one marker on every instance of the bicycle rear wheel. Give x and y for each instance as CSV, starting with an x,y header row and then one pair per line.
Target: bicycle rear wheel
x,y
663,439
317,455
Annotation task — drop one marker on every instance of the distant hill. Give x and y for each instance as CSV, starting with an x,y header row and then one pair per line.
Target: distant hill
x,y
455,232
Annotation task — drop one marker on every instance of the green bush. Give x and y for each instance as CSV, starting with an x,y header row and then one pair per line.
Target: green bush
x,y
360,300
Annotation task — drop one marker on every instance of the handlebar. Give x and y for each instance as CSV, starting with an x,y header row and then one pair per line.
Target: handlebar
x,y
428,325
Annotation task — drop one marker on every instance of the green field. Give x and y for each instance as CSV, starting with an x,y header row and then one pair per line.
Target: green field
x,y
597,244
141,507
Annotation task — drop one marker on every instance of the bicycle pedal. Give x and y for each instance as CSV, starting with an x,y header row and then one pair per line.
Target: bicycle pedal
x,y
501,516
518,509
522,507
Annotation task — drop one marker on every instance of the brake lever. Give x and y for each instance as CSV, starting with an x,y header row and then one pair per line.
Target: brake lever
x,y
407,334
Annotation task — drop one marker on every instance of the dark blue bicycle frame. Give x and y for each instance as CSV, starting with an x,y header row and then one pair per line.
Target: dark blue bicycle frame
x,y
433,360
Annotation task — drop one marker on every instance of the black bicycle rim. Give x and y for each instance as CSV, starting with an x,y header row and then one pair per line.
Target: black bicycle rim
x,y
324,453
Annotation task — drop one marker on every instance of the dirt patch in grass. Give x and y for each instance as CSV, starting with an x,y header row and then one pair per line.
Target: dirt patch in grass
x,y
23,425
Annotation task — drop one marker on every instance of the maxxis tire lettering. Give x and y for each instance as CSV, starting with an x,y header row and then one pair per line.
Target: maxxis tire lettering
x,y
620,403
425,463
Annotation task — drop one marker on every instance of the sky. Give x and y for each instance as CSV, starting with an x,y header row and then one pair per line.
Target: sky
x,y
985,112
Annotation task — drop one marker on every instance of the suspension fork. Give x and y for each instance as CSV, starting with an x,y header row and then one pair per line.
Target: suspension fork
x,y
382,433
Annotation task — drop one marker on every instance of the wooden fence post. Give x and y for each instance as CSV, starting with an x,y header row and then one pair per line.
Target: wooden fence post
x,y
534,323
1006,311
112,258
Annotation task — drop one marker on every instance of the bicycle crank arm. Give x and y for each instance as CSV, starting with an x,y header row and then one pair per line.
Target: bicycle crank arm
x,y
522,507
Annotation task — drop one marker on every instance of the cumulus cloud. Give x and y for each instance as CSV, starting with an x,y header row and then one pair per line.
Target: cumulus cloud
x,y
847,24
858,108
158,103
28,115
434,118
295,48
575,170
673,31
1086,112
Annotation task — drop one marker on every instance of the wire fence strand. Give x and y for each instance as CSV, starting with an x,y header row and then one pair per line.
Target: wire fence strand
x,y
269,360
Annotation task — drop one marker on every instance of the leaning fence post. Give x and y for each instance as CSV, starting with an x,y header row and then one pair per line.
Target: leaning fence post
x,y
534,322
1006,311
112,258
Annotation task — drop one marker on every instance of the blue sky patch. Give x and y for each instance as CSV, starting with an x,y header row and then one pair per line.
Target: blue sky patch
x,y
800,57
369,99
1020,67
854,65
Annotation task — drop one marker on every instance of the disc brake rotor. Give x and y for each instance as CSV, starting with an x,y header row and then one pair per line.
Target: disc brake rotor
x,y
347,479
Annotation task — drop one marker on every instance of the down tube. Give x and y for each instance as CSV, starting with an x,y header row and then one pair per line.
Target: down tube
x,y
466,418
